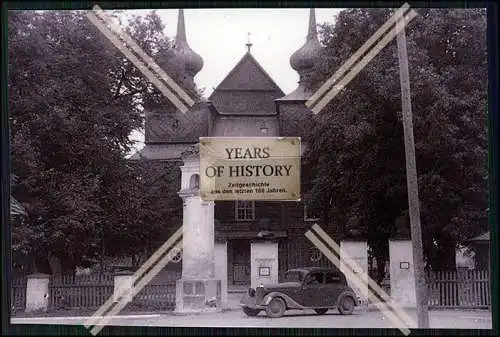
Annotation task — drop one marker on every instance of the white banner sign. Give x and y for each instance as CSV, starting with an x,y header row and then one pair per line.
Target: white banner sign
x,y
259,168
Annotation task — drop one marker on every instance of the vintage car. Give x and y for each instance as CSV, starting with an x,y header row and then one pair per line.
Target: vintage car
x,y
314,288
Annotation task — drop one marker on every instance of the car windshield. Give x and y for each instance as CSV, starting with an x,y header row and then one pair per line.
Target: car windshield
x,y
293,276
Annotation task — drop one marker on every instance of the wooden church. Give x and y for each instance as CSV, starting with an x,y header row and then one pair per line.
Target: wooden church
x,y
246,103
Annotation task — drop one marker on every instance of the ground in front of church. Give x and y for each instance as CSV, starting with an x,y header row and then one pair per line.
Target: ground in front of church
x,y
439,319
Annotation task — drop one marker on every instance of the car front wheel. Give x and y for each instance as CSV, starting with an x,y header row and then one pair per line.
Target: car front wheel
x,y
321,311
276,308
346,305
251,312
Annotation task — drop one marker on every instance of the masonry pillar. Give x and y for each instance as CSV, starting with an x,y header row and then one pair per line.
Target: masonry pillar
x,y
37,293
197,290
123,282
221,270
264,263
402,273
358,252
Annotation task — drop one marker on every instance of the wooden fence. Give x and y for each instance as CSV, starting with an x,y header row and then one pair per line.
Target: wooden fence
x,y
80,292
18,294
459,289
158,294
92,291
447,289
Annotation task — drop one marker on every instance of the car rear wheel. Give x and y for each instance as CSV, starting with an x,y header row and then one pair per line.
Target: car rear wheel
x,y
346,305
276,308
321,311
251,312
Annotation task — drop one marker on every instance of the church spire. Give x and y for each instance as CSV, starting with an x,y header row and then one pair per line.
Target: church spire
x,y
186,57
181,27
312,33
304,58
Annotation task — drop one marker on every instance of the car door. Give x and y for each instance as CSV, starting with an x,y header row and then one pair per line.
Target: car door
x,y
333,288
313,290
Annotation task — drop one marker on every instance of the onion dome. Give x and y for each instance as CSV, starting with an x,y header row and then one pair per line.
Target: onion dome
x,y
186,57
304,58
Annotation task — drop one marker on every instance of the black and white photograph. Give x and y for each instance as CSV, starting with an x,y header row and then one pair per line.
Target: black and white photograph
x,y
250,168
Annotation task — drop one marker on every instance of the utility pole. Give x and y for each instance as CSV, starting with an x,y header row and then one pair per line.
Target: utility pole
x,y
412,182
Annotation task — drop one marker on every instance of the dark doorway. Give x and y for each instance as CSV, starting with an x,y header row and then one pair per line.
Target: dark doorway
x,y
239,262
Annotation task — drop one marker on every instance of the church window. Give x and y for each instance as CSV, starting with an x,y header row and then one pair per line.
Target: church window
x,y
308,216
194,181
244,210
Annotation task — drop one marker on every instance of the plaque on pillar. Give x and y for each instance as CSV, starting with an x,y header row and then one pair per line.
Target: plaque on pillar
x,y
198,295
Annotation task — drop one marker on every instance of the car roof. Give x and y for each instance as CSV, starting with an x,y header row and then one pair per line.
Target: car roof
x,y
311,269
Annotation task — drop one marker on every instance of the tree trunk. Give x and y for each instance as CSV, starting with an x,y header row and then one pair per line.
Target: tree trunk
x,y
381,262
41,264
380,249
103,251
446,256
55,264
34,268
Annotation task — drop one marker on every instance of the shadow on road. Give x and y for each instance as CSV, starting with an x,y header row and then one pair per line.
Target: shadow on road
x,y
306,314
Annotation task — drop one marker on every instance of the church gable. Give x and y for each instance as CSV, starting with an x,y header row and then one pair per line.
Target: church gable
x,y
246,90
248,75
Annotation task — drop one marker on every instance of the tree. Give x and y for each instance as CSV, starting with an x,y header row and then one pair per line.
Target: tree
x,y
363,167
73,102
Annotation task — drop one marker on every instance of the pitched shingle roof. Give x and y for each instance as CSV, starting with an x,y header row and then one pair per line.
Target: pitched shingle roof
x,y
178,127
246,90
160,152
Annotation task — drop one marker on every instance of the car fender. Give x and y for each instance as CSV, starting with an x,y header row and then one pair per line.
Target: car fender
x,y
290,302
347,293
247,300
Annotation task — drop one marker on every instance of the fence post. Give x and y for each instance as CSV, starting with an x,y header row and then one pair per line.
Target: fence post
x,y
37,292
123,281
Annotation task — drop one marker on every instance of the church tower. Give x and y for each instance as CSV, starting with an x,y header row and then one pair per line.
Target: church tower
x,y
292,110
165,129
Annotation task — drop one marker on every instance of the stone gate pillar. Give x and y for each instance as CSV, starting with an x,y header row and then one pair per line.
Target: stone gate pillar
x,y
264,263
402,273
358,252
37,293
197,290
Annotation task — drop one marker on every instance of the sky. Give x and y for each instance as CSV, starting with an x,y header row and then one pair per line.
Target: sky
x,y
219,36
